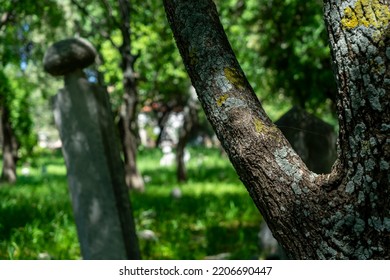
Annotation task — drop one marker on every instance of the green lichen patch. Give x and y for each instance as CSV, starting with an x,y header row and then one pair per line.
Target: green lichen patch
x,y
350,188
361,197
384,165
366,13
377,223
374,95
359,225
235,77
386,224
369,164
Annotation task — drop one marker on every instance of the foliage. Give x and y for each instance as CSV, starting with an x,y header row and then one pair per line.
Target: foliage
x,y
14,95
161,74
214,215
28,27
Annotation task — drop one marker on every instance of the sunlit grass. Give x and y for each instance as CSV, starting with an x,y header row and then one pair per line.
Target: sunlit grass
x,y
214,215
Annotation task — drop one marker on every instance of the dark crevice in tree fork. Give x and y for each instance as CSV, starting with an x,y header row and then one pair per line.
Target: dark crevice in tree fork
x,y
341,215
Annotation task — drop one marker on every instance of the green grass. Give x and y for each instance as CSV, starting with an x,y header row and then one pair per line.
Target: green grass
x,y
214,215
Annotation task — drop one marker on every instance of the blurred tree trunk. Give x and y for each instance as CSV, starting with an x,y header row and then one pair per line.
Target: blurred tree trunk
x,y
127,114
161,121
10,148
163,113
341,215
190,121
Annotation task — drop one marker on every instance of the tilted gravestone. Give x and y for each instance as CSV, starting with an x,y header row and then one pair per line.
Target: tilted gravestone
x,y
313,139
82,113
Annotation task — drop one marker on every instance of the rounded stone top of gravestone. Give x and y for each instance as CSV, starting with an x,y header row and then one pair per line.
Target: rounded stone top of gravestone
x,y
67,55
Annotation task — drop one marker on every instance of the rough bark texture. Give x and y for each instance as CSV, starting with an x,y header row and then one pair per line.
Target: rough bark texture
x,y
360,38
127,112
342,215
10,148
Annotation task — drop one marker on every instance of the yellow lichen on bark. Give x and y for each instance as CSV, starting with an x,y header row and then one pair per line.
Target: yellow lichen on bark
x,y
350,19
259,126
265,130
366,13
222,99
234,77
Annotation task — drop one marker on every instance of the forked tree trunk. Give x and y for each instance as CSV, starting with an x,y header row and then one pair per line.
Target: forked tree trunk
x,y
128,114
341,215
10,148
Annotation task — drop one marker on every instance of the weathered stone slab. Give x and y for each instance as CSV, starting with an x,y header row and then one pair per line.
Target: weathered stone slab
x,y
96,180
313,139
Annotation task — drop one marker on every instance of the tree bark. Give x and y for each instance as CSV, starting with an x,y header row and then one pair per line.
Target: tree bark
x,y
341,215
10,148
127,113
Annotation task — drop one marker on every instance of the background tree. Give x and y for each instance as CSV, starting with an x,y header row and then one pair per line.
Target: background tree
x,y
10,145
18,25
341,215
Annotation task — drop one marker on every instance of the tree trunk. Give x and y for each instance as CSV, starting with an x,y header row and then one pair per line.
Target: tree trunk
x,y
161,121
128,114
162,114
10,148
190,120
341,215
